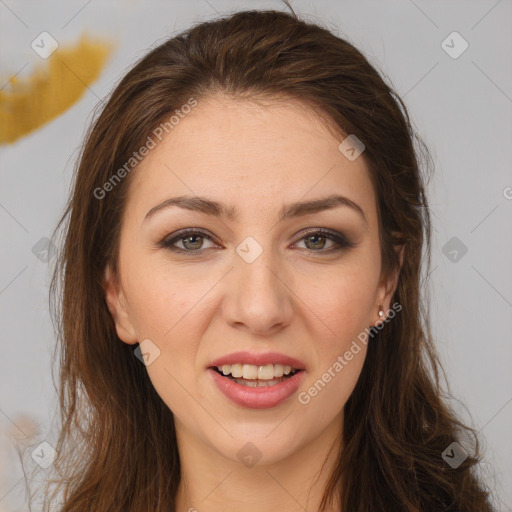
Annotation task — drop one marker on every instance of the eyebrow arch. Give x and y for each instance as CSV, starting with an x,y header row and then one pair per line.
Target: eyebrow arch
x,y
216,209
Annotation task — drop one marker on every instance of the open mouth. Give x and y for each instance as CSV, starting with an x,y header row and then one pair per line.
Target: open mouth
x,y
256,382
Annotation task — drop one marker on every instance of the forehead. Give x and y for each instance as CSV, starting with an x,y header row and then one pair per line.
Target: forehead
x,y
246,153
219,124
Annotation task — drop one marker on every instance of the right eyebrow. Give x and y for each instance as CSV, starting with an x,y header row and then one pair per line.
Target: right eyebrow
x,y
296,209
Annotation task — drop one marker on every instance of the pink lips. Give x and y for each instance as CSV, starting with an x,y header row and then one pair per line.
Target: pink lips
x,y
258,359
257,397
262,397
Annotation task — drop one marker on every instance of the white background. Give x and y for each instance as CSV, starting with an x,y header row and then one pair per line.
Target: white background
x,y
461,107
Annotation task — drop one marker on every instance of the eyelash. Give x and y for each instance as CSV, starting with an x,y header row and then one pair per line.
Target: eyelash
x,y
342,241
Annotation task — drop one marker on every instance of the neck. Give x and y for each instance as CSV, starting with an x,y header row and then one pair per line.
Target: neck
x,y
211,482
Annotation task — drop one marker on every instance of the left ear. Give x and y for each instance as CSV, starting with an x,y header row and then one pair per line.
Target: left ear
x,y
388,284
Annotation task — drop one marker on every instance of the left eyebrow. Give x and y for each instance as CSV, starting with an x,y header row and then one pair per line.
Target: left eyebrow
x,y
216,209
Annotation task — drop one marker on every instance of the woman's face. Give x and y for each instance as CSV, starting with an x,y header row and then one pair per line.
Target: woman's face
x,y
252,281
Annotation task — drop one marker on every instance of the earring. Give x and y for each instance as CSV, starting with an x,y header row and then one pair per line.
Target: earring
x,y
381,312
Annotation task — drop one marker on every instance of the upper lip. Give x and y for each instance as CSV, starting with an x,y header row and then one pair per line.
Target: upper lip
x,y
258,359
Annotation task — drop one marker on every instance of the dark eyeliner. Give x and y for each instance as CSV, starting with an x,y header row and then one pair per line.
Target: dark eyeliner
x,y
168,243
340,239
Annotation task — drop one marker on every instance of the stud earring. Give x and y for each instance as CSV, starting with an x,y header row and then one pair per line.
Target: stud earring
x,y
381,312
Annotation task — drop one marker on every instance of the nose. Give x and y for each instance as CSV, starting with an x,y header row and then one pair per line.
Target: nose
x,y
259,298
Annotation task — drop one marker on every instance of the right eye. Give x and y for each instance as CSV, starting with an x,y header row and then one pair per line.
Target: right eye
x,y
189,240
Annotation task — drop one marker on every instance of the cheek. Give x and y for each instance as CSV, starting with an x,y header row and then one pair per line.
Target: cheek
x,y
341,307
343,304
169,311
171,305
159,299
344,310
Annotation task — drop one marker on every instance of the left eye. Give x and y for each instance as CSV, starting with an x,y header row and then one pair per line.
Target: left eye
x,y
316,239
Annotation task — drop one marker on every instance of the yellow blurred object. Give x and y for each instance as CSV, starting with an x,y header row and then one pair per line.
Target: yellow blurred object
x,y
26,104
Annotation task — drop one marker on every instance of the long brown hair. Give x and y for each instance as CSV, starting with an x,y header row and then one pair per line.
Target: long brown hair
x,y
397,424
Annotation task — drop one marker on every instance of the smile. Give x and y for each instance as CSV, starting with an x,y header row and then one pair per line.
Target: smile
x,y
242,383
254,375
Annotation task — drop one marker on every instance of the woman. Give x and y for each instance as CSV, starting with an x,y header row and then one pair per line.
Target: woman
x,y
241,321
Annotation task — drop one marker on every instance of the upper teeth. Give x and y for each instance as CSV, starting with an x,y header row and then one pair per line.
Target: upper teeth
x,y
251,371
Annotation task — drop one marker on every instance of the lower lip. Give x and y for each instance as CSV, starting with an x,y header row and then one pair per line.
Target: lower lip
x,y
258,397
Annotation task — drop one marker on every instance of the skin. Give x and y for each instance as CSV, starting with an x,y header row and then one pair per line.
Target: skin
x,y
293,298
